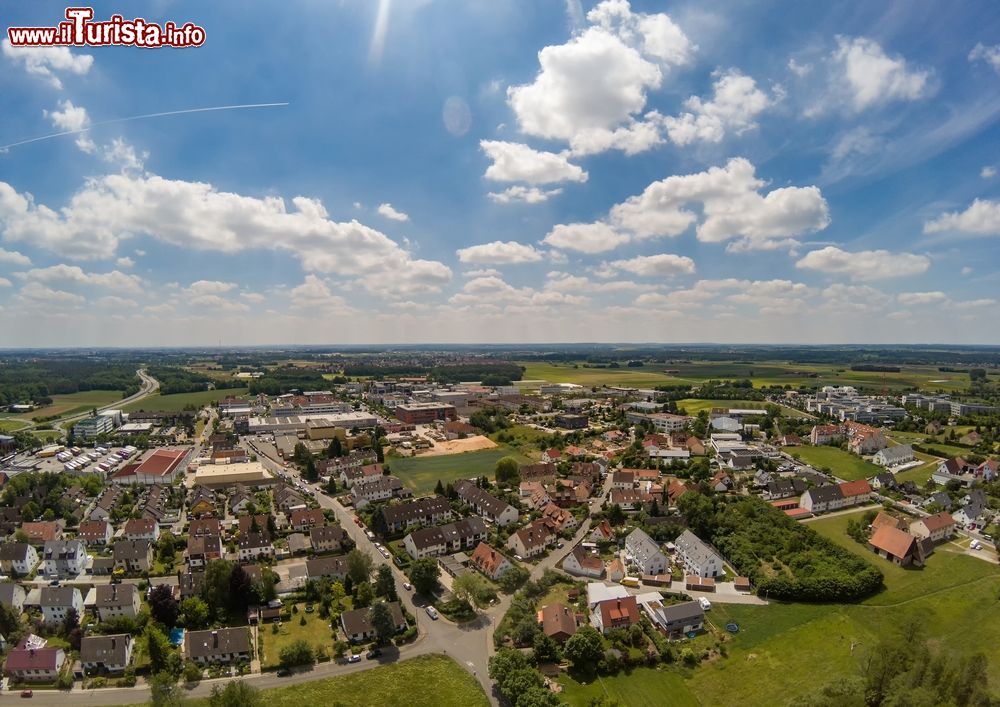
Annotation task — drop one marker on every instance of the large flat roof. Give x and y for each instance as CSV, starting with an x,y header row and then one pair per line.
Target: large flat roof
x,y
161,462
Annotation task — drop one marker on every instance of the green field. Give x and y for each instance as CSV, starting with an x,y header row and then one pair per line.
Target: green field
x,y
692,406
73,404
11,424
426,681
843,464
422,473
643,687
179,401
765,373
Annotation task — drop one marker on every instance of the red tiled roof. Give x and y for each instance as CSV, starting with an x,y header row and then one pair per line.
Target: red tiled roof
x,y
855,488
893,541
938,521
161,462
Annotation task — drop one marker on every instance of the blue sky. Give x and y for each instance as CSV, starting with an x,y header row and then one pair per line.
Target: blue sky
x,y
524,171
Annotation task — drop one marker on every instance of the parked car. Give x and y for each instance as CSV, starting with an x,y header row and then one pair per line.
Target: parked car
x,y
354,659
407,586
53,583
370,534
26,693
432,612
975,545
283,672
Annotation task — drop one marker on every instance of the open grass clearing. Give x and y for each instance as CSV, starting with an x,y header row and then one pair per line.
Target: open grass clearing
x,y
422,473
843,465
179,401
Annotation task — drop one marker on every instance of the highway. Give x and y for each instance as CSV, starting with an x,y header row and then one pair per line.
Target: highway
x,y
149,386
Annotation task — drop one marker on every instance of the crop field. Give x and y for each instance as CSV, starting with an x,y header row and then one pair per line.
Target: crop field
x,y
843,465
73,404
422,473
692,406
180,401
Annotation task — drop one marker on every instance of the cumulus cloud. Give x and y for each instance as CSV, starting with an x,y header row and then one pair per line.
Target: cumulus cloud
x,y
482,272
865,264
499,253
4,282
209,287
800,70
114,280
565,282
591,91
990,55
493,291
663,265
988,172
921,298
72,118
516,162
125,262
14,258
982,218
518,194
195,216
386,209
314,293
123,155
734,106
47,61
585,237
35,293
872,77
732,208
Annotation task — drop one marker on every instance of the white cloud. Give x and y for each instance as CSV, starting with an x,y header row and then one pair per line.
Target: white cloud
x,y
515,162
591,91
871,77
493,291
982,218
314,293
389,212
482,272
195,216
663,265
124,155
13,257
125,262
209,287
217,303
864,265
585,237
735,104
565,282
114,280
4,282
113,302
36,293
525,195
921,298
44,61
966,270
731,207
988,172
70,118
253,297
991,55
800,70
499,253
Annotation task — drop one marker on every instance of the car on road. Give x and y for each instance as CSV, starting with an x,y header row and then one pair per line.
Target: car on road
x,y
987,536
705,603
370,534
560,545
354,659
407,586
357,521
373,653
283,672
432,612
27,693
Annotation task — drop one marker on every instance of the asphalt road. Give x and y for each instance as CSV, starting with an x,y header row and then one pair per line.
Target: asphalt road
x,y
149,386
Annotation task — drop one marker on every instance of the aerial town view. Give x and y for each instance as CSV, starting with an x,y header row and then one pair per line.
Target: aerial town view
x,y
527,353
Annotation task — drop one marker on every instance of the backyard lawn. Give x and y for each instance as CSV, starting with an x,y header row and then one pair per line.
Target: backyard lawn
x,y
426,681
179,401
843,465
422,473
642,687
317,633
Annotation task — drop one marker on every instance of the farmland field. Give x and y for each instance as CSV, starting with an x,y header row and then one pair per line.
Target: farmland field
x,y
843,464
692,406
73,403
179,401
426,681
422,473
590,377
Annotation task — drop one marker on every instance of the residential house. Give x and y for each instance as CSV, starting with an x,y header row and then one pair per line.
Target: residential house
x,y
627,499
64,558
112,601
557,621
133,556
602,533
328,538
894,456
202,502
559,519
938,498
254,524
190,583
623,479
240,500
42,532
429,510
542,472
253,546
203,549
855,492
551,455
106,502
975,513
327,567
884,519
675,620
825,434
298,544
897,546
357,624
95,532
486,504
884,480
615,613
12,595
721,482
142,529
19,558
699,557
33,661
106,655
203,527
56,602
445,539
360,474
531,540
287,499
783,488
955,469
304,519
820,499
380,489
581,563
490,562
937,527
645,552
224,645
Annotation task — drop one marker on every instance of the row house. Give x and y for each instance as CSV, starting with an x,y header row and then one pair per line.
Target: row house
x,y
328,538
489,561
254,546
445,539
486,504
142,529
64,558
430,510
327,567
304,519
133,556
56,603
95,532
113,601
19,558
381,489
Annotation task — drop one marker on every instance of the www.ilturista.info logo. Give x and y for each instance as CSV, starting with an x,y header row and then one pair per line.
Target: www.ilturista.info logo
x,y
80,30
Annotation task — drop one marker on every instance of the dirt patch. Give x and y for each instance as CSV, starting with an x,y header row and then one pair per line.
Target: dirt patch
x,y
457,446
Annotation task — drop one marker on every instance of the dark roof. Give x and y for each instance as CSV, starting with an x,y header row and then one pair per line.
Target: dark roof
x,y
415,510
825,494
131,549
466,528
110,650
13,551
680,612
58,596
199,644
327,533
108,595
327,566
358,622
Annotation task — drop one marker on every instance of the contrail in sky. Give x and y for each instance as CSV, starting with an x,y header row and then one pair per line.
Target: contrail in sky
x,y
4,148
